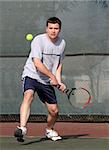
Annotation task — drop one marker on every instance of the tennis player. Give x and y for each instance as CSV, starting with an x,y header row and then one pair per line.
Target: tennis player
x,y
42,72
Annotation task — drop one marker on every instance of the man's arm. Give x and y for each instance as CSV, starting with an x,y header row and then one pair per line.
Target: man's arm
x,y
59,78
59,73
43,69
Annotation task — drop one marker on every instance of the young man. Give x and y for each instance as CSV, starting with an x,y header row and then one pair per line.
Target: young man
x,y
42,72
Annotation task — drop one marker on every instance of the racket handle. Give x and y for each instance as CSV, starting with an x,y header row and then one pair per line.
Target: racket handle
x,y
69,90
57,86
66,90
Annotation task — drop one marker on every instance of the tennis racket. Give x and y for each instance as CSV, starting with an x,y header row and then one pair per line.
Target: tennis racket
x,y
78,97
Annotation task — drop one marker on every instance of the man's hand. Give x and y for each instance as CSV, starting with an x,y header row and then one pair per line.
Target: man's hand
x,y
62,87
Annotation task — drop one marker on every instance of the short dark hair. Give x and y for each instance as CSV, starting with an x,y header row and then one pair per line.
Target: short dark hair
x,y
54,20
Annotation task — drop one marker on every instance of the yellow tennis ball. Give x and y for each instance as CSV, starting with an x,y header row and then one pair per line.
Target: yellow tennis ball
x,y
29,37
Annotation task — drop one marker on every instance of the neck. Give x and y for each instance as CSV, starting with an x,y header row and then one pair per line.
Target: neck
x,y
53,40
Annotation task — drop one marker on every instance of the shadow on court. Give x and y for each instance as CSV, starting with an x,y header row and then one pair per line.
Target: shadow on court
x,y
71,142
63,138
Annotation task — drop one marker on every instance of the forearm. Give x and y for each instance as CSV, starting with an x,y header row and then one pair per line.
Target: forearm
x,y
42,68
59,74
62,86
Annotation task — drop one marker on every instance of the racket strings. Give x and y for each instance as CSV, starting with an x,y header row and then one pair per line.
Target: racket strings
x,y
81,98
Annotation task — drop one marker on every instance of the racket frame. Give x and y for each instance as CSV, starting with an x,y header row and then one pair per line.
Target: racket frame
x,y
70,92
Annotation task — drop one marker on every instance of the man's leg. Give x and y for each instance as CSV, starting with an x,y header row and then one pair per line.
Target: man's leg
x,y
24,115
52,117
25,107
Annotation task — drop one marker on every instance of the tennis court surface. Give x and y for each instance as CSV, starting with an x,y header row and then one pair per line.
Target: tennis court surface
x,y
67,143
77,136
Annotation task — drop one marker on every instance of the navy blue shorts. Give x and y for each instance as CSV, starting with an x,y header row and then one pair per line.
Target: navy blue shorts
x,y
46,93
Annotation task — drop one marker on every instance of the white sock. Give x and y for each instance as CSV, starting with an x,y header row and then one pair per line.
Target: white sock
x,y
24,130
48,130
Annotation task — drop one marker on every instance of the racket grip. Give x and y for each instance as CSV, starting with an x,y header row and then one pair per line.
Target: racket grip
x,y
66,90
57,86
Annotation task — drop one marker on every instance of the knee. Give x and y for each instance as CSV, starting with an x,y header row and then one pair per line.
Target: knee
x,y
54,113
28,98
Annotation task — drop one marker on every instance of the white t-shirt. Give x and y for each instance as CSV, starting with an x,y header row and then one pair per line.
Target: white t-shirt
x,y
50,54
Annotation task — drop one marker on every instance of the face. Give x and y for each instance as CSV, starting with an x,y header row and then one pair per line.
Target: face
x,y
53,30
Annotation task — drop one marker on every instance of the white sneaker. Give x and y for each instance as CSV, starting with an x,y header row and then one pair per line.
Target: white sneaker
x,y
53,135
